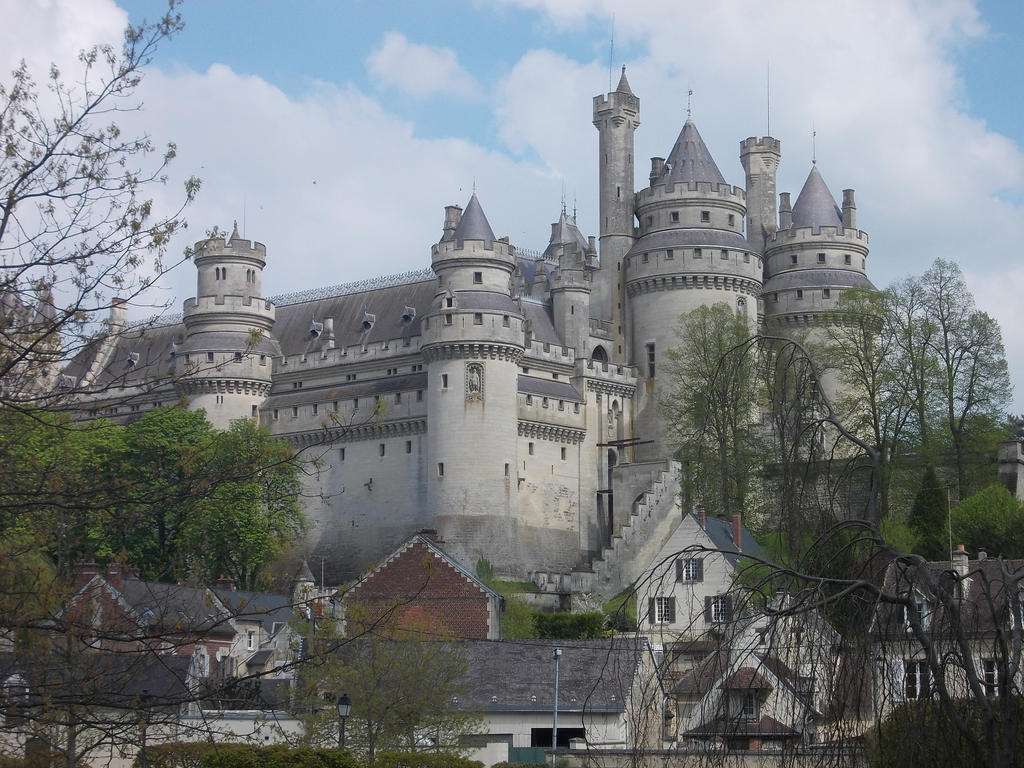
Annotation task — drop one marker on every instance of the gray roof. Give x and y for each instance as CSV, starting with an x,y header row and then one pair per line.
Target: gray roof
x,y
696,237
485,300
559,390
720,532
623,86
817,278
266,608
690,160
473,225
528,268
176,607
815,206
539,318
563,232
595,675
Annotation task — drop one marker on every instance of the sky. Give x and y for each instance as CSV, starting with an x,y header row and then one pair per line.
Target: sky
x,y
336,132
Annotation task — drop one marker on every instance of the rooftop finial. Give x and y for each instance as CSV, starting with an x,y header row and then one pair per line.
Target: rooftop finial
x,y
814,145
563,197
574,205
689,109
474,184
234,231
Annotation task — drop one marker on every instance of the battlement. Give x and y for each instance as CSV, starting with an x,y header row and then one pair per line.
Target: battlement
x,y
553,353
684,264
551,411
797,235
218,247
354,353
691,190
500,251
760,143
247,306
624,375
609,102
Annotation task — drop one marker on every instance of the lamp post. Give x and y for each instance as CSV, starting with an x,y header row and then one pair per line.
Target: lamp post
x,y
554,725
144,701
344,708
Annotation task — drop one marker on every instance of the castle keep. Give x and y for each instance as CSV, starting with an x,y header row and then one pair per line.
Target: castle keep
x,y
507,399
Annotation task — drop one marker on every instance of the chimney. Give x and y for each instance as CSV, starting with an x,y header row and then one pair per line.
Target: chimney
x,y
225,582
785,212
960,558
115,575
737,530
849,210
431,533
657,166
702,516
452,217
982,555
84,573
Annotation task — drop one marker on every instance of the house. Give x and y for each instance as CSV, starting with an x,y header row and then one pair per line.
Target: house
x,y
263,636
421,588
954,624
686,594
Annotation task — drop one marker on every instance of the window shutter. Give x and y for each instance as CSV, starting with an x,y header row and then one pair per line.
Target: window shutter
x,y
726,607
698,569
707,608
680,566
670,610
651,616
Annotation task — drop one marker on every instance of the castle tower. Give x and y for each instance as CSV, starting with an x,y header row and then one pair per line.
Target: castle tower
x,y
760,158
571,283
472,343
690,252
815,255
616,117
224,365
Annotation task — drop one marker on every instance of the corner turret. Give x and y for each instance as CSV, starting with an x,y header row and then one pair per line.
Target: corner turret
x,y
760,158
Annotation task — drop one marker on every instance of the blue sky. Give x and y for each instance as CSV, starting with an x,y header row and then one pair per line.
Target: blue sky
x,y
336,132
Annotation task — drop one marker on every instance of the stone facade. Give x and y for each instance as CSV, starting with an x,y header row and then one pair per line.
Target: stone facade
x,y
507,399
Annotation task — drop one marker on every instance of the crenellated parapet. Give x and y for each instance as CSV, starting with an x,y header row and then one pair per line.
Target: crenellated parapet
x,y
750,286
471,350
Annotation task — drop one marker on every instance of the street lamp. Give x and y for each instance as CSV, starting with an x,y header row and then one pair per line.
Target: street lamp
x,y
554,725
344,708
144,701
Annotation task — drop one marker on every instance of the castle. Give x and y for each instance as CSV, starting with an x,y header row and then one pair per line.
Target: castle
x,y
508,400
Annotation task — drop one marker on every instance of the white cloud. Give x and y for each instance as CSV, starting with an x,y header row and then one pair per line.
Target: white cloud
x,y
418,70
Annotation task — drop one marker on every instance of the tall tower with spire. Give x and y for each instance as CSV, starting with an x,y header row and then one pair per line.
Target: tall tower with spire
x,y
760,158
616,117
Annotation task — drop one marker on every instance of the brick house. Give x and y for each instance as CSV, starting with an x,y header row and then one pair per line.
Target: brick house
x,y
420,587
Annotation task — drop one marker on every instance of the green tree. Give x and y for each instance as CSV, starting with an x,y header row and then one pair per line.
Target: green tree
x,y
989,520
711,406
928,517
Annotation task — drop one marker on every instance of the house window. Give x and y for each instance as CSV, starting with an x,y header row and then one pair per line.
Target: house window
x,y
821,258
238,357
990,676
316,408
916,680
478,277
718,608
650,360
295,411
705,216
506,469
478,318
732,219
749,708
355,403
746,258
449,301
690,569
529,399
662,610
645,258
250,640
561,405
277,414
544,403
919,610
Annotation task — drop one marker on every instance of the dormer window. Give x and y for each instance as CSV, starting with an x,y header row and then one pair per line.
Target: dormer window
x,y
449,302
408,314
368,321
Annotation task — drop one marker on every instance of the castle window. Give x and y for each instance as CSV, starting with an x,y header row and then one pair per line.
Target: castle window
x,y
444,381
862,263
505,321
563,453
746,258
478,318
209,357
506,469
650,221
529,448
295,411
277,414
316,408
408,446
650,360
398,398
447,319
341,454
732,220
618,192
554,377
645,258
449,301
705,216
544,403
419,395
381,449
675,216
440,469
561,405
826,293
478,277
821,258
575,407
697,253
846,258
255,412
725,254
775,298
792,259
335,405
355,403
669,254
529,399
799,293
263,359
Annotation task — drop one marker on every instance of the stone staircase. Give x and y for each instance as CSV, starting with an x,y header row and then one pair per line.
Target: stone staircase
x,y
638,540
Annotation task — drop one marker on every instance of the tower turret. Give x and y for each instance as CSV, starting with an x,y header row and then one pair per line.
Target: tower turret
x,y
224,365
760,158
616,117
472,341
570,283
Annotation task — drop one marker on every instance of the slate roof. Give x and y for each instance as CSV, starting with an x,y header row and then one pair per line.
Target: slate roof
x,y
815,206
266,608
693,237
720,532
558,390
817,278
474,225
171,607
623,86
690,160
563,232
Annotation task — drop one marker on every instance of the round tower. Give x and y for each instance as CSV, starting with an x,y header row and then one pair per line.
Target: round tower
x,y
690,252
815,255
225,362
616,117
571,283
472,342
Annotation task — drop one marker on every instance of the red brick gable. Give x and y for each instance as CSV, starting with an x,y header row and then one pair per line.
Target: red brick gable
x,y
417,589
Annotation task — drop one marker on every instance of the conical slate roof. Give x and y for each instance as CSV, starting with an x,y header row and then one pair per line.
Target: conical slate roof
x,y
474,225
623,86
690,159
815,206
564,232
